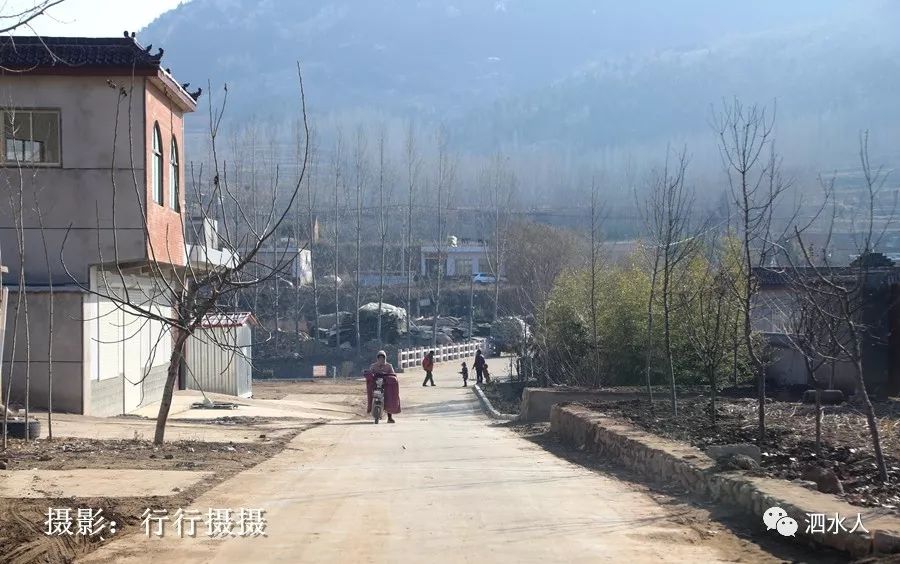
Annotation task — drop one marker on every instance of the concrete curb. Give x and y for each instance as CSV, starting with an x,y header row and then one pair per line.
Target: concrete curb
x,y
489,409
662,460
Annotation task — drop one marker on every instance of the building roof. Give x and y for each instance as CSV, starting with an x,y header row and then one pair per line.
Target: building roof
x,y
29,52
233,319
769,277
85,55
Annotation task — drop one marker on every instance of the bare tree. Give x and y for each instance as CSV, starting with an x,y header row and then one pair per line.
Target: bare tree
x,y
40,216
595,264
337,164
17,205
16,18
839,301
669,203
540,255
753,168
708,310
382,226
413,165
311,230
500,184
360,171
652,215
443,192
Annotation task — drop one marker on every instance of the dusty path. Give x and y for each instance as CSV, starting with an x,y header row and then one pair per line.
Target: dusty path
x,y
442,485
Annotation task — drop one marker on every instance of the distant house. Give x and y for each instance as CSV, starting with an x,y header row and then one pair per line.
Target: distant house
x,y
291,258
458,259
94,134
775,305
220,355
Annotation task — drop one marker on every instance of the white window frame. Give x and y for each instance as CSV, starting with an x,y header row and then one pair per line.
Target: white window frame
x,y
30,112
156,166
174,176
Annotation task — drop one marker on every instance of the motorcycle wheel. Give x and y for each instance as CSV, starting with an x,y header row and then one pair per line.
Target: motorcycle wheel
x,y
376,414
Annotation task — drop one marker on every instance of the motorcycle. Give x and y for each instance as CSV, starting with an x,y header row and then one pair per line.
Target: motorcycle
x,y
378,398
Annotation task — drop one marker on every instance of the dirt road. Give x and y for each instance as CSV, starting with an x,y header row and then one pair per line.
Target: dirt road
x,y
442,485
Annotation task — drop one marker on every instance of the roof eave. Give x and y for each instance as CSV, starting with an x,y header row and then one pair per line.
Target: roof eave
x,y
165,82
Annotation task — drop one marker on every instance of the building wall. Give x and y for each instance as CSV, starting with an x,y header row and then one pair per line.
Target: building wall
x,y
481,262
126,355
217,369
76,198
68,389
165,225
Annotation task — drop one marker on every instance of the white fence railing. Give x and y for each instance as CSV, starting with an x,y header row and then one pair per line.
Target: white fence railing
x,y
409,358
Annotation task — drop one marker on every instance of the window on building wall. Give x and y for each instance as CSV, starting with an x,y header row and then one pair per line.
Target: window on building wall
x,y
30,137
463,267
156,166
174,187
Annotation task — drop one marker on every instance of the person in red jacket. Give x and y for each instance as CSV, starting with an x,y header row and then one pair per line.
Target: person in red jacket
x,y
428,365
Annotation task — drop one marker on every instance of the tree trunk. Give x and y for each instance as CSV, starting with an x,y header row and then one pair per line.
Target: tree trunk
x,y
171,378
337,246
818,420
358,261
734,352
670,365
711,375
595,345
312,255
649,343
871,420
471,306
383,227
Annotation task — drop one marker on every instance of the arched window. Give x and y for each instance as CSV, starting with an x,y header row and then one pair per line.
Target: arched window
x,y
174,195
156,166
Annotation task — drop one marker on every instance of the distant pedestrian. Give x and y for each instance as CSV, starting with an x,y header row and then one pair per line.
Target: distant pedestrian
x,y
428,365
465,375
487,374
479,365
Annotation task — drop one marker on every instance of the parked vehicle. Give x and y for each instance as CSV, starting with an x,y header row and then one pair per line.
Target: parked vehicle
x,y
482,278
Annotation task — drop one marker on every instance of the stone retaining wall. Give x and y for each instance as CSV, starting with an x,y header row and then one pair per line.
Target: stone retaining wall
x,y
673,462
489,408
537,402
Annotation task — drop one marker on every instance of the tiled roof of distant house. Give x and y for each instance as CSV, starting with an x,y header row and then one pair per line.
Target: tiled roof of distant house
x,y
772,277
24,52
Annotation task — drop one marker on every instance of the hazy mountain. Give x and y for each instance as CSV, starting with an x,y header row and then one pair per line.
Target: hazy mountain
x,y
828,80
541,73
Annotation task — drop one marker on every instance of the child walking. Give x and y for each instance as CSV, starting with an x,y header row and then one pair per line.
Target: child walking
x,y
465,375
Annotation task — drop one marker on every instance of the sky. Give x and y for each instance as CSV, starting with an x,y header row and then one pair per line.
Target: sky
x,y
100,18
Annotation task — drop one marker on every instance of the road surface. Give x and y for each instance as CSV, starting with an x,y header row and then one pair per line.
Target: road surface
x,y
442,485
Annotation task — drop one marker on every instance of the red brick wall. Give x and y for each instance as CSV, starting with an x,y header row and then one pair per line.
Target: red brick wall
x,y
166,241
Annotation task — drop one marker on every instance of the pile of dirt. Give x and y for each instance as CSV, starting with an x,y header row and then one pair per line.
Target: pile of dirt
x,y
790,446
22,534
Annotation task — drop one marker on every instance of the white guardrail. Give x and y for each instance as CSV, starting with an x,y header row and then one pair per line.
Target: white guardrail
x,y
409,358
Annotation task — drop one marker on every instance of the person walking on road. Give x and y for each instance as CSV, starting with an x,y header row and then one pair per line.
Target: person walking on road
x,y
465,375
428,365
479,365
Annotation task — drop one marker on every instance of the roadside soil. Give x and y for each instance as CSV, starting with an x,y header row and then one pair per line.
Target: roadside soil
x,y
279,389
729,530
22,535
790,448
